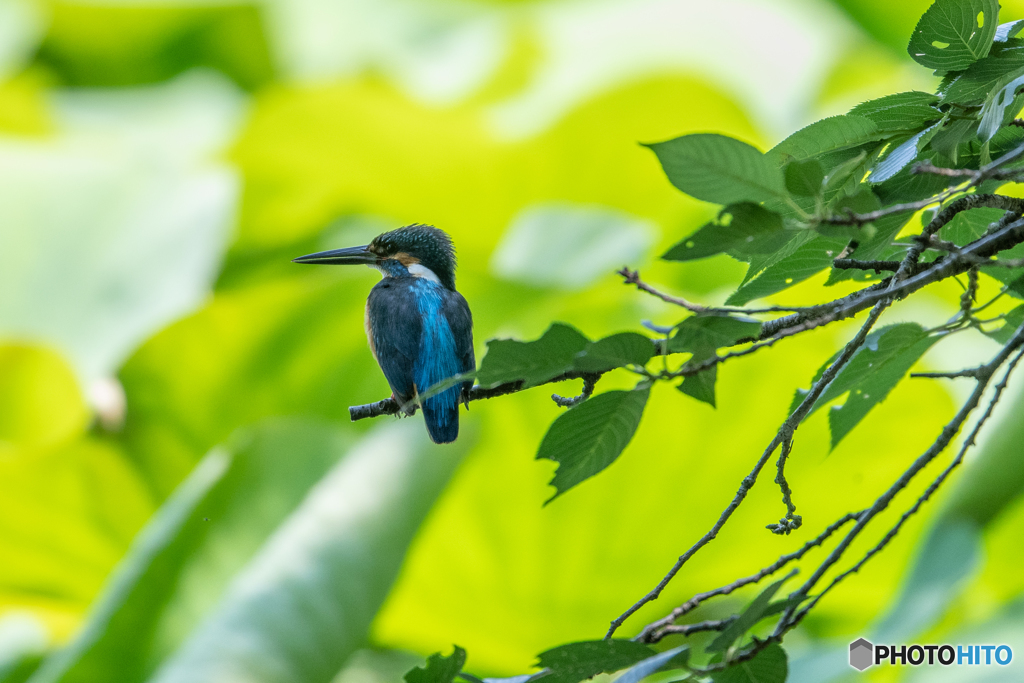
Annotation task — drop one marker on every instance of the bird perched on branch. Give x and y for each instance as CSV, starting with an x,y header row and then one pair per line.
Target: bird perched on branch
x,y
420,329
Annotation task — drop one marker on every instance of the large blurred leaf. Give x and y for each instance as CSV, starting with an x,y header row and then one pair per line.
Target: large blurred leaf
x,y
110,45
186,556
588,438
305,601
954,33
570,246
40,402
719,169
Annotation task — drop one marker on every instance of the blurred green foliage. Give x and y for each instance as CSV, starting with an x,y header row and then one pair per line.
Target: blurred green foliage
x,y
193,542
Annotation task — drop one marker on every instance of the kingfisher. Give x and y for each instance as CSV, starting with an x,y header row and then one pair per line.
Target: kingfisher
x,y
419,328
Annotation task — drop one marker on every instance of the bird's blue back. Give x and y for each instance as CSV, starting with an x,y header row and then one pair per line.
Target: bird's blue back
x,y
421,334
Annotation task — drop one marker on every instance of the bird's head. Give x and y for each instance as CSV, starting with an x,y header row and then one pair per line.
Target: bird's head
x,y
417,250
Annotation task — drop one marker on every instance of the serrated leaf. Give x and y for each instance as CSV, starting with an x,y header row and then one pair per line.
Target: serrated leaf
x,y
719,169
832,134
953,34
615,351
588,438
905,111
508,360
700,334
973,85
898,158
753,613
577,662
1013,278
743,226
968,226
874,370
808,260
769,666
886,229
1008,30
677,657
998,105
438,669
805,178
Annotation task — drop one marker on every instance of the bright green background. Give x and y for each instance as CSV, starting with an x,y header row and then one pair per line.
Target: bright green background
x,y
159,166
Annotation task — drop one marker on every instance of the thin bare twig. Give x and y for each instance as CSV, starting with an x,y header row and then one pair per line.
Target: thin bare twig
x,y
632,277
792,520
655,631
589,382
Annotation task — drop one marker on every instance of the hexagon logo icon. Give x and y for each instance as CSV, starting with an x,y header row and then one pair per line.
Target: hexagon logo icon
x,y
861,654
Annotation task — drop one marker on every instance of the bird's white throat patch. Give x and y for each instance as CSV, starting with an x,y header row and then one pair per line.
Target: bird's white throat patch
x,y
420,270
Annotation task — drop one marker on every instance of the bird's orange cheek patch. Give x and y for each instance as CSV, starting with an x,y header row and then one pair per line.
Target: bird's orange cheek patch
x,y
405,259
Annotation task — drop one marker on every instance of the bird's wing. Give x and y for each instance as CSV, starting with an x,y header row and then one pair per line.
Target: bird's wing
x,y
394,326
460,320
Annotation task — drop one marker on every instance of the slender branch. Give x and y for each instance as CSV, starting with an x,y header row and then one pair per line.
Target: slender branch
x,y
877,266
940,444
785,432
632,277
688,629
655,631
970,372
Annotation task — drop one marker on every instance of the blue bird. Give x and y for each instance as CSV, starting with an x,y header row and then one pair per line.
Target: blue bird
x,y
420,329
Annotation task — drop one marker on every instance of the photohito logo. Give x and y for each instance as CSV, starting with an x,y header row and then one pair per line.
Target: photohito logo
x,y
864,654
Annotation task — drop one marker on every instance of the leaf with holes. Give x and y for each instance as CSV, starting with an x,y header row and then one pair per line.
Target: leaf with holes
x,y
719,169
769,666
973,85
744,226
508,360
577,662
439,669
588,438
874,370
810,259
953,34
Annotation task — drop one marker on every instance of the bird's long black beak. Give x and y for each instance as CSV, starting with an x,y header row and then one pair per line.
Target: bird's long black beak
x,y
340,257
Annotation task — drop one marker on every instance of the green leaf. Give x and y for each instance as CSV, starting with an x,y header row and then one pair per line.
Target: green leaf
x,y
677,657
719,169
702,385
753,613
739,227
615,351
769,666
577,662
832,134
508,360
968,226
1011,322
899,157
316,584
973,85
588,438
439,669
700,334
811,258
998,105
874,370
805,178
886,229
905,111
953,34
1008,30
